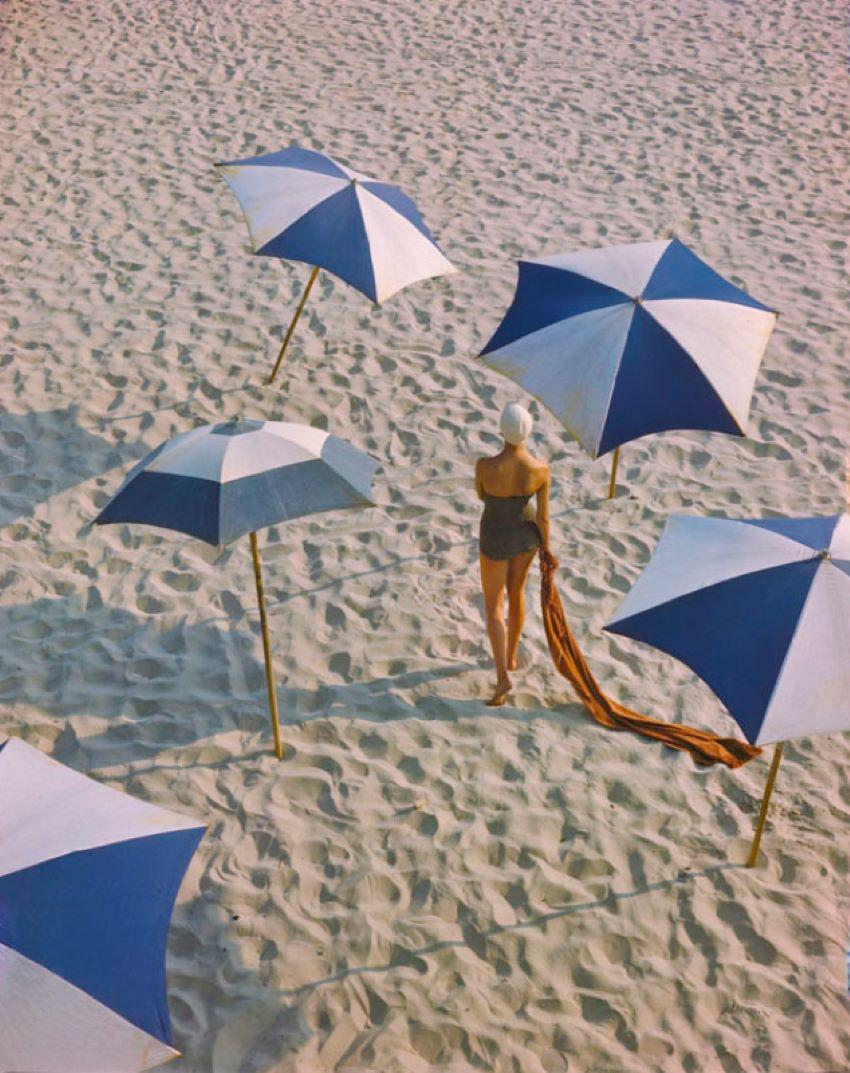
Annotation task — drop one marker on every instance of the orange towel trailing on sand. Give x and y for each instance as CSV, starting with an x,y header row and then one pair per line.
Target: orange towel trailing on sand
x,y
704,747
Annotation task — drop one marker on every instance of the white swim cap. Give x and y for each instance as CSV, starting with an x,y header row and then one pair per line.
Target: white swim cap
x,y
515,423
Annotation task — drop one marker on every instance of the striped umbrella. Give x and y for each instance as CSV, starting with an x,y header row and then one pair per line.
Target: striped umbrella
x,y
303,206
759,609
627,340
219,482
88,879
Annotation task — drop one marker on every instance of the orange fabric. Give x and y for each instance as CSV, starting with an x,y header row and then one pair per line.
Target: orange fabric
x,y
704,747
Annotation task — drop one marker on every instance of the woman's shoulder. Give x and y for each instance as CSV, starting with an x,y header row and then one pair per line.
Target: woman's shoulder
x,y
539,466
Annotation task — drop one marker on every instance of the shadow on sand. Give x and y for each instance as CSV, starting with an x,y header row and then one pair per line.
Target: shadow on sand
x,y
259,1028
31,444
250,1031
477,940
167,682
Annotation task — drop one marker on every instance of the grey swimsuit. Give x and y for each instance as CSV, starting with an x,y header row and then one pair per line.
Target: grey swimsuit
x,y
504,532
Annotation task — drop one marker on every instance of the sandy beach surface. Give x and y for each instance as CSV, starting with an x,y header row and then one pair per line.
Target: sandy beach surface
x,y
423,884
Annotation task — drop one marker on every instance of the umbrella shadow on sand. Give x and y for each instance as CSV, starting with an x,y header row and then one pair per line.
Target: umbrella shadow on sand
x,y
45,452
243,1027
383,700
166,682
258,1029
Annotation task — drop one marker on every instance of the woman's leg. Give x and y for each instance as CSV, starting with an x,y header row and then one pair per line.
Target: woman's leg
x,y
518,568
494,574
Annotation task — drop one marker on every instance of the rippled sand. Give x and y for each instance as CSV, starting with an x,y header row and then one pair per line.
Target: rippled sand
x,y
424,884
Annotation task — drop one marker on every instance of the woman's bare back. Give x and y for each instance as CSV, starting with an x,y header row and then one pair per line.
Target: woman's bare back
x,y
512,472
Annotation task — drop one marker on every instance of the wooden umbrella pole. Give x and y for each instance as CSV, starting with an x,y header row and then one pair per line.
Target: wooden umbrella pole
x,y
291,328
267,648
771,779
612,487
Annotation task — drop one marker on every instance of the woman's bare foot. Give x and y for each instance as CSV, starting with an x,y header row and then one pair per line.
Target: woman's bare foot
x,y
513,664
503,687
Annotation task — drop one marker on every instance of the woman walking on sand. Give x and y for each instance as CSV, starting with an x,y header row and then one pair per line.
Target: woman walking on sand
x,y
508,538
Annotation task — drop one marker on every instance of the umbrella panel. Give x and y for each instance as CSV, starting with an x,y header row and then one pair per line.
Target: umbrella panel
x,y
99,919
735,635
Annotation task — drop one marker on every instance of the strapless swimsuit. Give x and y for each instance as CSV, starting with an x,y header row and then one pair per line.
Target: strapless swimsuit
x,y
504,532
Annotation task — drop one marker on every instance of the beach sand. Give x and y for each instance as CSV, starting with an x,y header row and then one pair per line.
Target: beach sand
x,y
423,884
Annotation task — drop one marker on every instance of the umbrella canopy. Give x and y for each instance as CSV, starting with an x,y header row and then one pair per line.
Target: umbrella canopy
x,y
760,609
88,879
633,339
304,206
221,481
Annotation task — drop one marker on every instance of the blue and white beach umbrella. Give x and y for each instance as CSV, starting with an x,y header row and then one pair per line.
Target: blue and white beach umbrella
x,y
304,206
760,610
219,482
627,340
88,880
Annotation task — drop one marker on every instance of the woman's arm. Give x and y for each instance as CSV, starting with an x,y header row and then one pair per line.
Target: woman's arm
x,y
479,487
543,509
